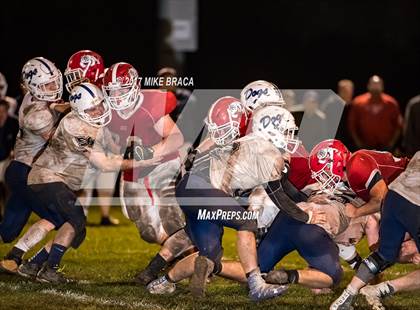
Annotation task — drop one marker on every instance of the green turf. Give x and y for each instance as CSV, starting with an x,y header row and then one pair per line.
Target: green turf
x,y
110,257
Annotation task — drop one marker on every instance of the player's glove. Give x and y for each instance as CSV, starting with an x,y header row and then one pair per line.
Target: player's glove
x,y
141,152
138,152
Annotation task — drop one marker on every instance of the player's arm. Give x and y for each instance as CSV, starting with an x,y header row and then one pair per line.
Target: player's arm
x,y
116,162
377,194
277,194
172,138
111,141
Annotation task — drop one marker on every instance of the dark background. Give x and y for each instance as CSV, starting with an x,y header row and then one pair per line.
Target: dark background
x,y
296,44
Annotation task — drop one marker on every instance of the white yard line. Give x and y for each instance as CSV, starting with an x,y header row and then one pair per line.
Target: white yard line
x,y
102,301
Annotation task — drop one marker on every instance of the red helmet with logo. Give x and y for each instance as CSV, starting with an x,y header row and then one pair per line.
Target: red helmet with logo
x,y
121,86
84,66
226,120
327,162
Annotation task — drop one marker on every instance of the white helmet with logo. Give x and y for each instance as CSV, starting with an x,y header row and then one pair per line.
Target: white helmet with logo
x,y
259,94
87,101
43,80
276,124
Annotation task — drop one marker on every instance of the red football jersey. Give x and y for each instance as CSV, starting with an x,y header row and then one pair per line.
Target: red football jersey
x,y
154,106
300,174
365,168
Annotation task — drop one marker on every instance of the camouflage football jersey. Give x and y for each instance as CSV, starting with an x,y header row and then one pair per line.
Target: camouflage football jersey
x,y
245,164
35,119
407,184
66,157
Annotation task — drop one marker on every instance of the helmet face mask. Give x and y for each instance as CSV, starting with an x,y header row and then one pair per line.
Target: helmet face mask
x,y
327,162
74,78
327,179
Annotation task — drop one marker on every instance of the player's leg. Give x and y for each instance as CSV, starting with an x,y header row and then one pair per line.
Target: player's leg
x,y
71,233
392,233
17,208
105,186
32,236
318,249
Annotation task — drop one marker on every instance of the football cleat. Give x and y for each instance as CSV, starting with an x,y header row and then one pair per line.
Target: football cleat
x,y
52,275
375,293
161,286
344,302
203,267
109,221
8,266
29,270
260,290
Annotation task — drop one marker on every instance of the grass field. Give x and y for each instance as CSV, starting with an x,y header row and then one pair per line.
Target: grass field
x,y
111,256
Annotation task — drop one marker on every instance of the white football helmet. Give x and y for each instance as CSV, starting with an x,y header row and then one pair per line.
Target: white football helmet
x,y
276,124
3,86
43,80
259,94
84,98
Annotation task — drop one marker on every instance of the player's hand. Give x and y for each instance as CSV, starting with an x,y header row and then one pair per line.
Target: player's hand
x,y
60,106
318,217
416,259
351,211
148,162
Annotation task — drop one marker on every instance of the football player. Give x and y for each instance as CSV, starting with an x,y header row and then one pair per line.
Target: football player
x,y
79,143
366,172
88,66
141,120
400,214
37,121
231,169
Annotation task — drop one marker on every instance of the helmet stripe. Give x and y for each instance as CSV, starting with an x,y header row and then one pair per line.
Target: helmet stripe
x,y
114,72
88,90
45,64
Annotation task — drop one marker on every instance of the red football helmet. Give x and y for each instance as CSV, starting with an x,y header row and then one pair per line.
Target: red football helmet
x,y
327,162
121,86
225,120
84,66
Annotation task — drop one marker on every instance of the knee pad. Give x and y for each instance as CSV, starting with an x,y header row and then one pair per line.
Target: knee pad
x,y
149,234
78,222
78,239
178,243
371,266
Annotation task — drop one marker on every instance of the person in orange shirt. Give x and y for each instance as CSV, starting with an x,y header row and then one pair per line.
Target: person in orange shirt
x,y
375,119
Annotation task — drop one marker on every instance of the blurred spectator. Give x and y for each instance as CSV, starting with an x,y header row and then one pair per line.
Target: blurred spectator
x,y
411,139
375,119
3,96
9,128
339,105
313,128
